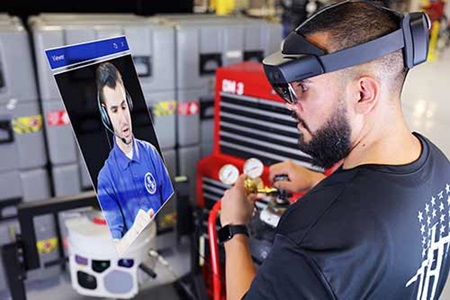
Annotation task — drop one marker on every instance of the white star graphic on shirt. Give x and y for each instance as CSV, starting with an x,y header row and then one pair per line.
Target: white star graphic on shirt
x,y
434,213
441,206
424,240
433,201
442,229
428,221
420,216
447,188
427,207
422,229
448,200
442,218
441,195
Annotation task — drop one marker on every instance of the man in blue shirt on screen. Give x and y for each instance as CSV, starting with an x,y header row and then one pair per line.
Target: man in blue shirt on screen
x,y
134,180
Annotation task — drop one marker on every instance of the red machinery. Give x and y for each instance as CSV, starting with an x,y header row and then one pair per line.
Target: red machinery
x,y
250,121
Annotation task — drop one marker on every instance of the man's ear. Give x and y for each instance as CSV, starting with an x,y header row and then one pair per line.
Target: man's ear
x,y
368,89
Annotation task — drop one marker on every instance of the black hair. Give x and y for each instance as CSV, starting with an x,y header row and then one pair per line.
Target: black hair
x,y
357,22
107,75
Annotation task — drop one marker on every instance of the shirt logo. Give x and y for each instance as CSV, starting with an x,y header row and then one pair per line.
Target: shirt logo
x,y
150,183
434,223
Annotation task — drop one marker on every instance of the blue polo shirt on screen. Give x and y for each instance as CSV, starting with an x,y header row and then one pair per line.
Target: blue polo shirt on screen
x,y
127,185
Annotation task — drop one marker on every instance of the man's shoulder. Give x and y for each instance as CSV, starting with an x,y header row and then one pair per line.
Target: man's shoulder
x,y
340,199
145,144
147,147
306,211
435,150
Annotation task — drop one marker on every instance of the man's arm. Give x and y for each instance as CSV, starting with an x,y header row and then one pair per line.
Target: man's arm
x,y
239,268
237,209
141,221
301,179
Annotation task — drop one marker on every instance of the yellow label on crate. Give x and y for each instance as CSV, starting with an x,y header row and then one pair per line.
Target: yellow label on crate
x,y
47,246
165,108
27,124
168,220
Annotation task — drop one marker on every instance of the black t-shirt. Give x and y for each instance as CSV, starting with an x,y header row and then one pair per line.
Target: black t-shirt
x,y
371,232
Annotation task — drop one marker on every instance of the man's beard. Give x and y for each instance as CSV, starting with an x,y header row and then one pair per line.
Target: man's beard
x,y
331,142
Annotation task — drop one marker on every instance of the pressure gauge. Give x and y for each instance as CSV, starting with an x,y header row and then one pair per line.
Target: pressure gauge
x,y
253,168
228,174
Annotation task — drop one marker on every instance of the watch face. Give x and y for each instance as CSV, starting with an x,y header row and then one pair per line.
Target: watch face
x,y
224,234
228,231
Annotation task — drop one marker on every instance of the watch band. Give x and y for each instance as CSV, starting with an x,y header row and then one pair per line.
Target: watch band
x,y
228,231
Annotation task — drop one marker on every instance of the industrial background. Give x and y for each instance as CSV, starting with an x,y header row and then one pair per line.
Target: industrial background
x,y
191,57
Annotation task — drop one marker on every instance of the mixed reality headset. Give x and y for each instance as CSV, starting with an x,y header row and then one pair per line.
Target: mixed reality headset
x,y
299,59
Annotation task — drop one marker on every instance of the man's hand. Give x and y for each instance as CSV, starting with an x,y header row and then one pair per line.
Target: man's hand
x,y
300,179
150,212
236,208
140,222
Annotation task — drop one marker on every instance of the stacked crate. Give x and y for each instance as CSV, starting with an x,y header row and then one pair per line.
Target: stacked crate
x,y
203,44
152,49
151,46
23,158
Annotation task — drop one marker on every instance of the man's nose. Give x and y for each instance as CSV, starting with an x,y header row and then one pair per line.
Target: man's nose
x,y
122,116
295,108
289,106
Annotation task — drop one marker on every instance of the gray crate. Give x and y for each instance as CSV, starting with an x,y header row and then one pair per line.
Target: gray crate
x,y
45,230
10,185
162,107
23,143
188,123
206,41
8,229
17,79
29,135
206,126
45,38
153,49
187,166
70,18
170,159
261,36
35,184
66,179
9,155
151,44
201,49
47,242
60,138
36,187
